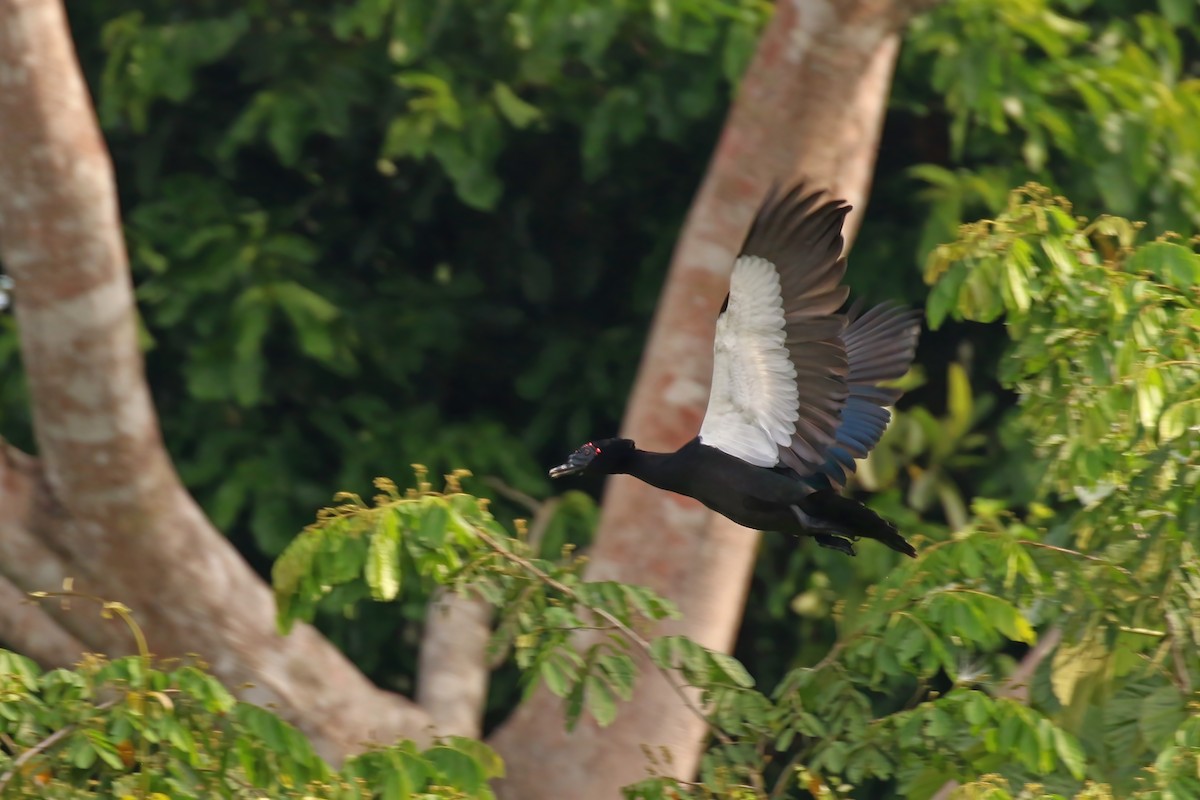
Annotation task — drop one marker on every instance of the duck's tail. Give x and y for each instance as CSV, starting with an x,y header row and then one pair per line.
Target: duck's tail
x,y
852,518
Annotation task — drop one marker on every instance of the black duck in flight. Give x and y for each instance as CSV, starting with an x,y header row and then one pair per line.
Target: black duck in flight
x,y
796,393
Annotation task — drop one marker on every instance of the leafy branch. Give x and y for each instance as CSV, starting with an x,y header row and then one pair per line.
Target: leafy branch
x,y
95,727
629,633
450,539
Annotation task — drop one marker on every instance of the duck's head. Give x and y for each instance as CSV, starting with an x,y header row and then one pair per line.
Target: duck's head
x,y
602,456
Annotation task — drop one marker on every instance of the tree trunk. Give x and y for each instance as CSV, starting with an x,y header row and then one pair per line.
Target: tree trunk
x,y
811,104
452,670
103,503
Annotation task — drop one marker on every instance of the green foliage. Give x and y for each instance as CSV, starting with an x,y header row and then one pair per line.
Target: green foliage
x,y
450,539
1091,97
1103,328
945,615
932,450
1104,354
918,687
128,728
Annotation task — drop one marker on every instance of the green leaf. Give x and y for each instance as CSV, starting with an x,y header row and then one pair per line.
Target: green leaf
x,y
620,672
662,652
383,558
1150,393
1160,714
960,403
432,95
559,675
601,702
1176,420
1061,257
1071,753
1075,661
1174,264
412,766
1008,619
397,779
1016,283
288,125
431,532
82,753
732,669
519,113
1178,13
311,316
484,756
574,707
457,769
25,670
943,300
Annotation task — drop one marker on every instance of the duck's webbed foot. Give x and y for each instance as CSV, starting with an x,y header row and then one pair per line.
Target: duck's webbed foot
x,y
826,534
835,543
832,520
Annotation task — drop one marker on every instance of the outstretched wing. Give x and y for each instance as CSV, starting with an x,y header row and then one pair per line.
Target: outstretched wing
x,y
879,346
779,364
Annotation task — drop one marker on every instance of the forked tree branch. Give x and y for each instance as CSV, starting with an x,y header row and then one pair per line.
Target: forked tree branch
x,y
103,503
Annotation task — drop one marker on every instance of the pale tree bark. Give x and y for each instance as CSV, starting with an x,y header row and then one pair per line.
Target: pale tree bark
x,y
452,667
103,503
811,104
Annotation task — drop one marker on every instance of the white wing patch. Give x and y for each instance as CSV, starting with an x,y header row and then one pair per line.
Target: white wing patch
x,y
754,402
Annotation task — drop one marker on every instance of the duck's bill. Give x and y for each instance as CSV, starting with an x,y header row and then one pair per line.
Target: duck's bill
x,y
563,470
576,462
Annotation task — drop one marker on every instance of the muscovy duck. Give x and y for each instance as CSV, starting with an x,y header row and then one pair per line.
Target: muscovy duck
x,y
796,393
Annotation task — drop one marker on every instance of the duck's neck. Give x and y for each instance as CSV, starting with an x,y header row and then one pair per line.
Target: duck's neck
x,y
657,469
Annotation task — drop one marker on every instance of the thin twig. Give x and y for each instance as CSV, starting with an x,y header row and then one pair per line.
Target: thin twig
x,y
542,510
1181,677
784,780
42,746
531,503
628,632
1070,552
835,651
1016,685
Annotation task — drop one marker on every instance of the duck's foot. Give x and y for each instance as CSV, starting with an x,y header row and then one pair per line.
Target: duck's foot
x,y
826,534
853,521
835,543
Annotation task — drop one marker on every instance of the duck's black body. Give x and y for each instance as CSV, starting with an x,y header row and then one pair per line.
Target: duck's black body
x,y
762,498
799,388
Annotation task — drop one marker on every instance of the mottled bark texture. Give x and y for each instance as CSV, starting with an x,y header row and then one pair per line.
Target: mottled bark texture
x,y
453,667
811,104
102,502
